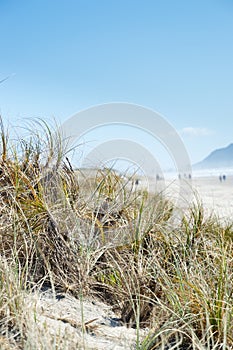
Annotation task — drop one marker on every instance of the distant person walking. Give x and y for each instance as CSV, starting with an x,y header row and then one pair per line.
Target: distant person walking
x,y
224,177
220,178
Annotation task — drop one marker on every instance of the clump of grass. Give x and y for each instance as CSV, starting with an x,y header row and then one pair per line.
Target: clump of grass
x,y
197,287
99,236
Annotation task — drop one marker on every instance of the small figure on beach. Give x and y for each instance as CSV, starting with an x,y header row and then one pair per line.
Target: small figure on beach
x,y
220,178
224,177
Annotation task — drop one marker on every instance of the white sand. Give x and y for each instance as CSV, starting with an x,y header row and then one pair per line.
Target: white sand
x,y
216,196
75,324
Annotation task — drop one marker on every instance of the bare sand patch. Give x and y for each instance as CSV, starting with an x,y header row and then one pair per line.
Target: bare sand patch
x,y
76,324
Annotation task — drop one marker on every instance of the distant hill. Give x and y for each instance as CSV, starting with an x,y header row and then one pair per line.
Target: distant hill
x,y
222,157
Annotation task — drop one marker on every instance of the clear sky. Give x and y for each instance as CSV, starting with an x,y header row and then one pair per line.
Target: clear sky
x,y
173,56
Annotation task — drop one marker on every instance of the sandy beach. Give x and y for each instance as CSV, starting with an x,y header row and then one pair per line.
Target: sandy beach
x,y
216,195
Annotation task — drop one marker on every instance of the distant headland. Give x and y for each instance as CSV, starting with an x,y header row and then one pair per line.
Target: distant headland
x,y
219,158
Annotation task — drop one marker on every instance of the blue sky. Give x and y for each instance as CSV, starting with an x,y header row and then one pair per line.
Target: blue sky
x,y
173,56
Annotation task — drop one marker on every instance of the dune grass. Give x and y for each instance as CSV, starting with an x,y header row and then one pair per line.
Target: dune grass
x,y
100,237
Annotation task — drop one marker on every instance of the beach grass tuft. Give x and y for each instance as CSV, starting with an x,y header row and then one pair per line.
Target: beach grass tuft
x,y
95,235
